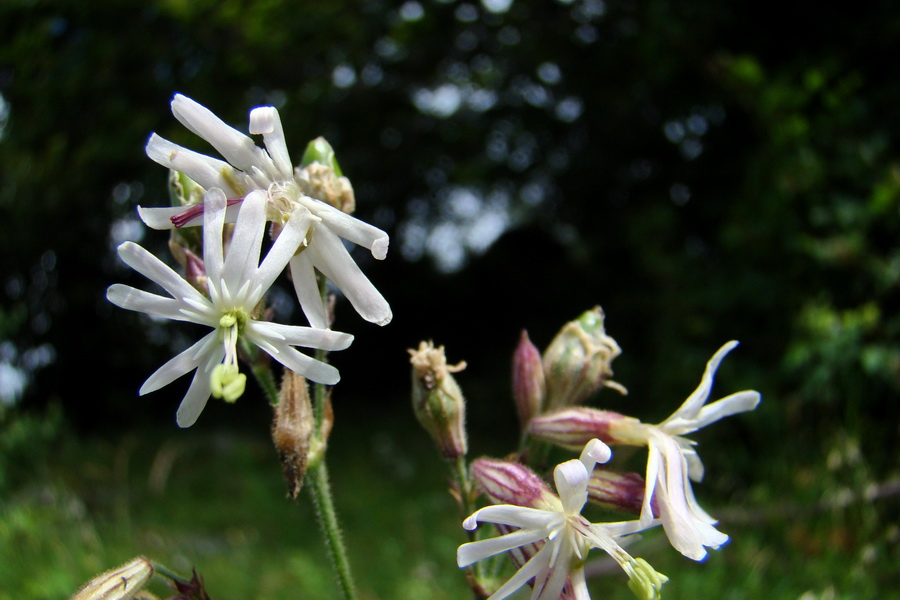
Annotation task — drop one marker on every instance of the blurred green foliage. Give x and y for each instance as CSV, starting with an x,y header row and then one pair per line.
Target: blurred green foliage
x,y
705,171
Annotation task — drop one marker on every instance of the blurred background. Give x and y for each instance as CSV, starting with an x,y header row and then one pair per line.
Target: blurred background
x,y
704,171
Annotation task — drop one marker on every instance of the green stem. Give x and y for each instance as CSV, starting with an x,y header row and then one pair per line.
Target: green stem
x,y
320,487
320,490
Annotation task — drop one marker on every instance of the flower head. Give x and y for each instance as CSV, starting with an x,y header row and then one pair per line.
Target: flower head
x,y
237,283
287,191
673,463
564,536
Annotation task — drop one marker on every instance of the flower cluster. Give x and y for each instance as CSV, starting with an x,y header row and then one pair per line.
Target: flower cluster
x,y
544,532
226,289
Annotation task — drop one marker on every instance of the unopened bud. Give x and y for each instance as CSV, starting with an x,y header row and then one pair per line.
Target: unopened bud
x,y
292,429
121,583
616,491
505,482
437,399
578,361
572,428
529,388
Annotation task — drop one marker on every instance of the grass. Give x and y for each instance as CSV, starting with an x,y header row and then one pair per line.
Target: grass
x,y
216,501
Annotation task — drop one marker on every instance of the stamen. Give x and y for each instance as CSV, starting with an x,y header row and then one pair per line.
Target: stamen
x,y
194,211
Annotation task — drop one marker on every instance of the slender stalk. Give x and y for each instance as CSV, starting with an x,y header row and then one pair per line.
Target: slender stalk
x,y
320,491
320,487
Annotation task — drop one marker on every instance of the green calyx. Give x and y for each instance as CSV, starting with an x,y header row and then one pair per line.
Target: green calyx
x,y
320,151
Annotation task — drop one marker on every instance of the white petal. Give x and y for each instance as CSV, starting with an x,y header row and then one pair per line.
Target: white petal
x,y
284,248
571,483
160,218
350,228
595,452
131,298
536,567
237,148
301,364
205,170
214,203
692,405
730,405
515,516
552,588
472,552
156,271
182,363
243,253
307,289
329,256
197,395
265,120
295,335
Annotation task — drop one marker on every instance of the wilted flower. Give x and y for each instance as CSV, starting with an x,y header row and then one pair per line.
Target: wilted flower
x,y
287,191
437,399
237,282
565,537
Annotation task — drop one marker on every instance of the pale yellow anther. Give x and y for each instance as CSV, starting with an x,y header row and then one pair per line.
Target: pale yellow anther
x,y
227,382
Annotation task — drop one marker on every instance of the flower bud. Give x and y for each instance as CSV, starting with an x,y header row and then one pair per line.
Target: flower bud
x,y
506,482
616,491
292,429
529,388
437,400
572,428
577,361
121,583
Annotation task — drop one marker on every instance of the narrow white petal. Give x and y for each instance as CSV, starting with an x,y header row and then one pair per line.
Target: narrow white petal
x,y
243,253
329,256
303,276
156,271
130,298
205,170
296,335
214,203
552,588
571,483
692,405
730,405
265,120
284,248
536,567
472,552
514,516
350,228
182,363
159,218
301,364
237,148
197,395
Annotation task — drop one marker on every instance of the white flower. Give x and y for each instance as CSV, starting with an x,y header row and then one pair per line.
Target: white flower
x,y
565,535
237,282
673,463
250,168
